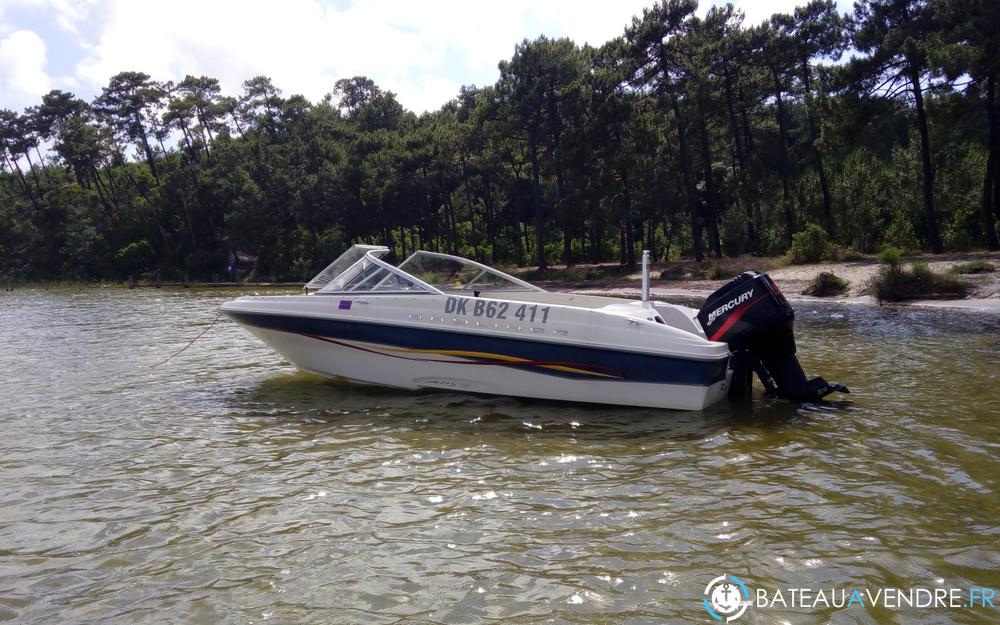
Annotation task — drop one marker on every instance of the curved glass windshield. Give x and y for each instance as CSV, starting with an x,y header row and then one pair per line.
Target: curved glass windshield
x,y
448,272
371,275
360,269
344,262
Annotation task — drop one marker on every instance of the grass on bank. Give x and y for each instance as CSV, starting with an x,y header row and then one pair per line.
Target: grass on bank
x,y
976,266
895,283
721,269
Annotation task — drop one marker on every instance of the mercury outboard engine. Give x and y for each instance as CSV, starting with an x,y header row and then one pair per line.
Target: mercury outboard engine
x,y
754,318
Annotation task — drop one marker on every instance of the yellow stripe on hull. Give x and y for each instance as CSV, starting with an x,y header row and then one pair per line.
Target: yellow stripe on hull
x,y
460,353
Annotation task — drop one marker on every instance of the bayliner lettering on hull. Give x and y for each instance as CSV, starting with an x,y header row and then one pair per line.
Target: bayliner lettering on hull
x,y
731,304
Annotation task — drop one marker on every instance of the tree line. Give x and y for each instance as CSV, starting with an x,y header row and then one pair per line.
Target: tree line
x,y
687,135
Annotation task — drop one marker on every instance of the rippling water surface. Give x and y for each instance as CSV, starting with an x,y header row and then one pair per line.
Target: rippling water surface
x,y
223,487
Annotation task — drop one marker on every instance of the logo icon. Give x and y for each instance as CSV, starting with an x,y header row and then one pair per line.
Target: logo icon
x,y
726,598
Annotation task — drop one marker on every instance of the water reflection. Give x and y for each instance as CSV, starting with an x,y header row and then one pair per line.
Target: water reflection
x,y
308,399
226,488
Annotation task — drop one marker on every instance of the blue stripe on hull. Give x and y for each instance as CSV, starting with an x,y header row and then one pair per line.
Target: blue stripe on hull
x,y
627,366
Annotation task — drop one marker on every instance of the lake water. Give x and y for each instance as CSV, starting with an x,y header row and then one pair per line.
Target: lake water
x,y
223,487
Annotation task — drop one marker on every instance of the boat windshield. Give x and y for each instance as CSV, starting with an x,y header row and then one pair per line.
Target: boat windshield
x,y
371,275
361,269
447,272
343,263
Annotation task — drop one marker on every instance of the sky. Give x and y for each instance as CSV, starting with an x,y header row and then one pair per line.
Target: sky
x,y
423,51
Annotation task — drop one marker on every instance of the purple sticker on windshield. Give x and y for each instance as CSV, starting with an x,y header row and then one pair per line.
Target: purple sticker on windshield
x,y
345,304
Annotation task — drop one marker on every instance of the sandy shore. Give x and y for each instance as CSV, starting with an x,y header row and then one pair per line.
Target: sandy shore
x,y
793,280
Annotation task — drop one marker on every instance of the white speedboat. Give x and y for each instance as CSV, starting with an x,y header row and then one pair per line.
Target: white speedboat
x,y
444,322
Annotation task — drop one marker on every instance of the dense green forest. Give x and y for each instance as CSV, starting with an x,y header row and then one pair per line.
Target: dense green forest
x,y
690,136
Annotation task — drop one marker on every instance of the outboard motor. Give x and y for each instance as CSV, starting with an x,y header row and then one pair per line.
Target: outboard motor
x,y
754,318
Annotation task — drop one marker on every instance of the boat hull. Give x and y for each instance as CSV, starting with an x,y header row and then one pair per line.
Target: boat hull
x,y
410,358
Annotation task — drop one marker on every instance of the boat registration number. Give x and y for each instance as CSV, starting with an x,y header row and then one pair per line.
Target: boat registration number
x,y
496,310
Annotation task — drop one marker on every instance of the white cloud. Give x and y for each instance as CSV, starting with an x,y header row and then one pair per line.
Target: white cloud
x,y
423,51
425,93
67,13
22,69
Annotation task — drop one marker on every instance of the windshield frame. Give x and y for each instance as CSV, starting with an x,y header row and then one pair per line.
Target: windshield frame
x,y
483,271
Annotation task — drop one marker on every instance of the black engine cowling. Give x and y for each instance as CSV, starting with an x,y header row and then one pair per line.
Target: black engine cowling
x,y
754,318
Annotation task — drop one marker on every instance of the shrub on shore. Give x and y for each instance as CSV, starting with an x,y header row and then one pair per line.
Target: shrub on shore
x,y
826,284
893,283
891,257
976,266
809,246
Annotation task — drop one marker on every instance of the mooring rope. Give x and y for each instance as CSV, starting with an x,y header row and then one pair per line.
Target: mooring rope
x,y
189,344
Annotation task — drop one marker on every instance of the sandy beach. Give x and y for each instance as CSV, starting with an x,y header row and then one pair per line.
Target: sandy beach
x,y
793,280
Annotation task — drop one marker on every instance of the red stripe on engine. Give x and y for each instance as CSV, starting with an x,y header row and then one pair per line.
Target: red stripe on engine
x,y
733,318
